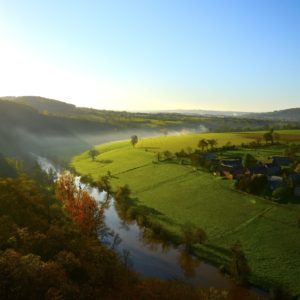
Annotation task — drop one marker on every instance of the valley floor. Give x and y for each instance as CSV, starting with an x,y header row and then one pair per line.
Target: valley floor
x,y
177,194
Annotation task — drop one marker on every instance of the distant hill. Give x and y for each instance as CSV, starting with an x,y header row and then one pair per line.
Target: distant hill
x,y
57,129
292,114
201,112
44,105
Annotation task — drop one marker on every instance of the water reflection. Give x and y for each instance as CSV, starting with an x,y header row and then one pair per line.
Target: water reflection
x,y
151,255
188,264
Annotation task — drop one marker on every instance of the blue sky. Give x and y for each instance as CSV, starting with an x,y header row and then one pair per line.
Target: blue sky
x,y
153,54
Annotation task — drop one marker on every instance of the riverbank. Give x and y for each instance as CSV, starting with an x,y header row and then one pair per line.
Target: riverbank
x,y
177,194
152,257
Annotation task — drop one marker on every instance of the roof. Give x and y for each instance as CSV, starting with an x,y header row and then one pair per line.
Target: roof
x,y
272,169
231,162
208,155
275,182
295,177
281,160
258,169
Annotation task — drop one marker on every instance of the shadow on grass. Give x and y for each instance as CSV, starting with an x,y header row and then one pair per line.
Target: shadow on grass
x,y
105,161
148,148
222,251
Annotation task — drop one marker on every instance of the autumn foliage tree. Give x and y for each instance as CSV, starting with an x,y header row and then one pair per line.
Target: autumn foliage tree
x,y
83,209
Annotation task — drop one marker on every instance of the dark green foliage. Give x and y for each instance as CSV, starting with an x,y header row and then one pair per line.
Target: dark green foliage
x,y
239,268
104,185
249,160
282,193
93,153
122,197
134,140
168,155
212,143
255,184
203,144
191,235
291,151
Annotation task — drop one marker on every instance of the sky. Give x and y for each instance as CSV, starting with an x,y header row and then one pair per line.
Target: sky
x,y
153,54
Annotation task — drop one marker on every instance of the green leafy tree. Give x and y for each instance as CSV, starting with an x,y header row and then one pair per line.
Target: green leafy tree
x,y
168,155
276,137
203,144
191,235
249,160
93,153
212,143
268,137
122,197
134,140
104,184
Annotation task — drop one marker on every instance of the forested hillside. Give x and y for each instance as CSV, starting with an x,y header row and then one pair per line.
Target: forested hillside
x,y
292,114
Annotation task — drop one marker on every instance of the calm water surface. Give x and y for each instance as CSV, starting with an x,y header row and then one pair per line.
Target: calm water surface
x,y
152,258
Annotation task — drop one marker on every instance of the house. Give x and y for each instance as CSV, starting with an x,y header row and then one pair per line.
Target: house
x,y
294,179
231,163
208,156
257,169
231,168
297,191
275,182
281,161
272,170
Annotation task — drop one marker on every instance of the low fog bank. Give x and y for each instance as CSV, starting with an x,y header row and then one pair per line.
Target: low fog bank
x,y
18,142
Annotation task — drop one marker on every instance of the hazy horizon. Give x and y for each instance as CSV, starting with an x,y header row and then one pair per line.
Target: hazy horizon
x,y
145,110
153,55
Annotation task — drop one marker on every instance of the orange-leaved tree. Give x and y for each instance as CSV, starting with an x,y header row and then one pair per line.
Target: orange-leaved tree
x,y
79,204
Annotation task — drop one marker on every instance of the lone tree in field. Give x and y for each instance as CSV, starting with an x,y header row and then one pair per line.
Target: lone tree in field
x,y
239,268
164,131
93,153
276,137
212,143
134,140
269,136
203,144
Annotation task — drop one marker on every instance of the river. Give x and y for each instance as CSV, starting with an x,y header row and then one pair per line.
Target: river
x,y
152,258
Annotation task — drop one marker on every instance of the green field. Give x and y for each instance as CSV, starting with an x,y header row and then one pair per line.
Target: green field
x,y
182,141
180,194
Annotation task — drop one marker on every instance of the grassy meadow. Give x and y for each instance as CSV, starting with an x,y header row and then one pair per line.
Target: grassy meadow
x,y
178,194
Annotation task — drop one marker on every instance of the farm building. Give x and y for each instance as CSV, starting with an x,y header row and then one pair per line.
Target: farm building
x,y
231,162
208,156
258,169
281,160
294,179
272,170
275,182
